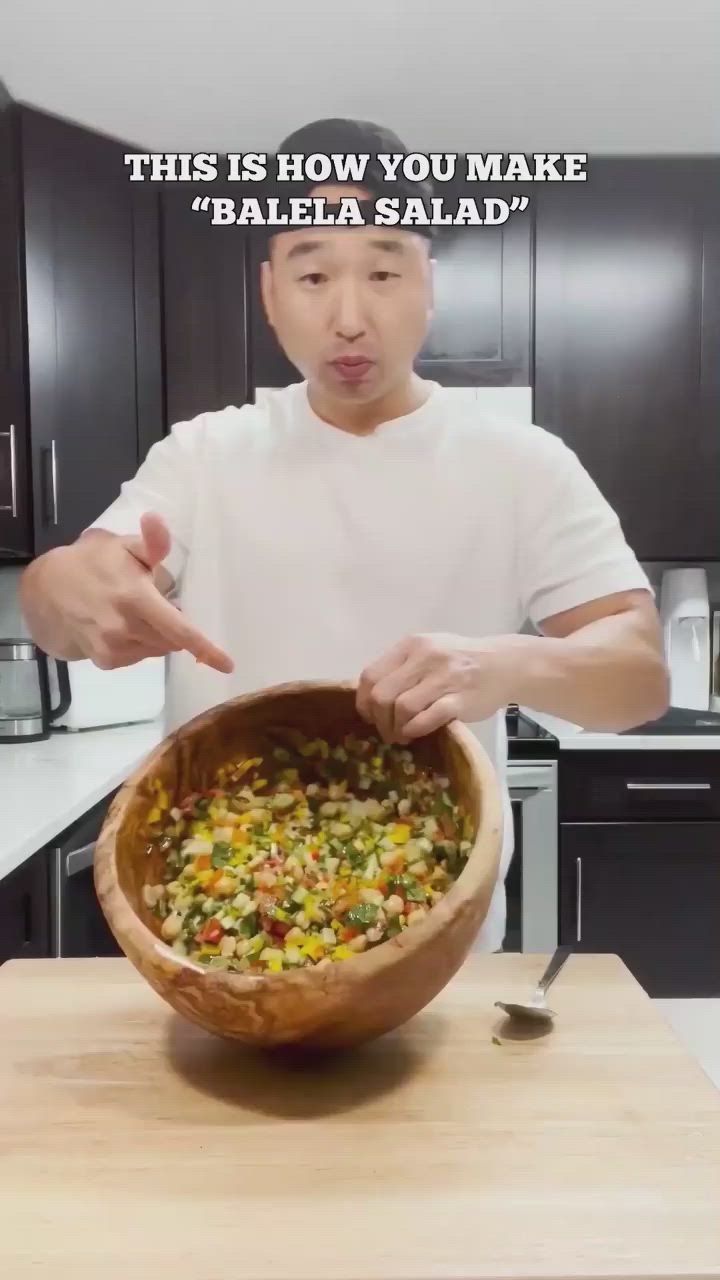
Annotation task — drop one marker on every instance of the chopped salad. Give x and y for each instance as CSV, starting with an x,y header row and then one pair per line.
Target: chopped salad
x,y
306,857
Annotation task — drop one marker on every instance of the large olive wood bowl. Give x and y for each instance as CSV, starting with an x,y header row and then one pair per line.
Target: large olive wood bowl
x,y
339,1005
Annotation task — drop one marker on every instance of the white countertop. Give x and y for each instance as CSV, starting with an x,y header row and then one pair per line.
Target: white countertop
x,y
573,738
46,786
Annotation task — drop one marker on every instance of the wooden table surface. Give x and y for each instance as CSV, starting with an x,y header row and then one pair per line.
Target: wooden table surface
x,y
134,1146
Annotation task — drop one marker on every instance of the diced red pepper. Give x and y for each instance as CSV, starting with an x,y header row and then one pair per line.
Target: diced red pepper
x,y
348,933
212,932
202,862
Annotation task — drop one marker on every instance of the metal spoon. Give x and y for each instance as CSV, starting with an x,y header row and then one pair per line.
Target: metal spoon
x,y
537,1010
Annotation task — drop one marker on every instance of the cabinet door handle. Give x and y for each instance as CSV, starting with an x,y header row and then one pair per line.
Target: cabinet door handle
x,y
53,472
669,786
578,899
9,435
49,456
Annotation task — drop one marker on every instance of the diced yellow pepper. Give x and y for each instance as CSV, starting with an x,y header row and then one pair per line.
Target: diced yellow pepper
x,y
400,833
342,952
259,783
155,815
275,966
202,877
312,947
376,762
247,765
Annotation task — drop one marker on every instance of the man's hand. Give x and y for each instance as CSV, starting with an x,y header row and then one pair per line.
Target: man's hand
x,y
428,680
98,599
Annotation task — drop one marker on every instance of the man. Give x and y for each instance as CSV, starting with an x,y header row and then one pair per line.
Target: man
x,y
360,527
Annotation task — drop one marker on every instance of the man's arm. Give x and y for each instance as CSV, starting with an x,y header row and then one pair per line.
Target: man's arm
x,y
600,665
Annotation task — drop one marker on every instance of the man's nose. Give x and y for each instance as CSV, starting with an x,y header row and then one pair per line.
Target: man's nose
x,y
349,321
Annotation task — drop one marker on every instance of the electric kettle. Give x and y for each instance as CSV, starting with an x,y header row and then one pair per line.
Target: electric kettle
x,y
26,712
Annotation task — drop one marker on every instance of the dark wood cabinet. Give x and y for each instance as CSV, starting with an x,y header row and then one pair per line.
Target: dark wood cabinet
x,y
640,864
205,306
24,911
80,364
480,334
15,509
84,292
650,893
627,342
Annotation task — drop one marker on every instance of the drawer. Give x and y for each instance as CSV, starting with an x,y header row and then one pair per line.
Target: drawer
x,y
640,786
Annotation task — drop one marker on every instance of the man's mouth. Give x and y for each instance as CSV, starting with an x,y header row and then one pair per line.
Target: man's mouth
x,y
352,368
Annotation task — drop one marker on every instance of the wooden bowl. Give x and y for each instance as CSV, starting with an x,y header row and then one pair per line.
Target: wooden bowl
x,y
339,1005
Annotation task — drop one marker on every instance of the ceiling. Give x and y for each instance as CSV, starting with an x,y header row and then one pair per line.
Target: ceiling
x,y
515,75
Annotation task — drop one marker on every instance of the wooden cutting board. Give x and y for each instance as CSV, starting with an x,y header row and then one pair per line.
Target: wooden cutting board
x,y
133,1146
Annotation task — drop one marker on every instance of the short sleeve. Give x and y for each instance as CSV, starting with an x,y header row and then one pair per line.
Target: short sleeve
x,y
571,547
163,486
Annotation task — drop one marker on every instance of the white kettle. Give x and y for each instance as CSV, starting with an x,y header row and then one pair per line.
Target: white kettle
x,y
685,613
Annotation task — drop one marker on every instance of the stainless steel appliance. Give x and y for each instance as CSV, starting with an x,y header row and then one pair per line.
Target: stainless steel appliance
x,y
77,924
26,710
685,612
531,886
715,675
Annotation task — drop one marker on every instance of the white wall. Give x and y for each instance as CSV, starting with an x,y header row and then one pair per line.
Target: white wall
x,y
474,75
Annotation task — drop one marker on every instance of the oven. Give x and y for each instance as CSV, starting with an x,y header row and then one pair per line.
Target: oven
x,y
77,924
531,886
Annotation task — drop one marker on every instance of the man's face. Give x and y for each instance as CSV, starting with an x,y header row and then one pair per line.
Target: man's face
x,y
350,305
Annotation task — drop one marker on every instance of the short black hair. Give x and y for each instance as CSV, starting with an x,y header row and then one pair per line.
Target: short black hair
x,y
337,135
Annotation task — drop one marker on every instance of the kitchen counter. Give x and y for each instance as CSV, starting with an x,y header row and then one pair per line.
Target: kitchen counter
x,y
46,786
571,737
135,1144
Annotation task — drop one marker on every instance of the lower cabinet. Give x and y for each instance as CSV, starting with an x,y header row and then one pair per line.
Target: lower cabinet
x,y
640,865
25,911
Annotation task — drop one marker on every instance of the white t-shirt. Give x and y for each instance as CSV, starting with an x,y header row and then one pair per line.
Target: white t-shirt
x,y
306,552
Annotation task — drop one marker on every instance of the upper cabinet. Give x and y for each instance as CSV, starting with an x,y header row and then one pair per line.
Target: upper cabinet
x,y
480,330
627,343
15,506
83,332
205,305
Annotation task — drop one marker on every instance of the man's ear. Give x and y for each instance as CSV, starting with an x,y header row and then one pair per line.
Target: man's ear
x,y
266,290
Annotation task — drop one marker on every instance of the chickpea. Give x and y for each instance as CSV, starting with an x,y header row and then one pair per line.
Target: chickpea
x,y
359,943
226,886
227,946
265,879
174,888
241,946
171,927
419,869
148,894
393,905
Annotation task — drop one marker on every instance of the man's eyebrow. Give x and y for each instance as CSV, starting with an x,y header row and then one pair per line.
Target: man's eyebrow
x,y
305,247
